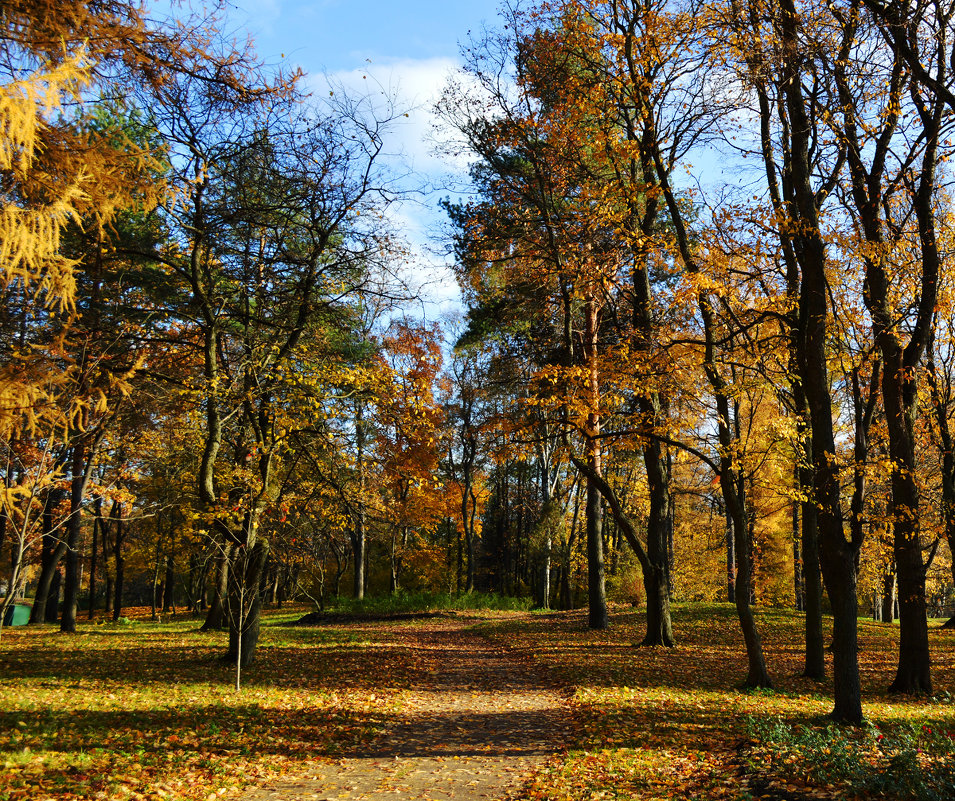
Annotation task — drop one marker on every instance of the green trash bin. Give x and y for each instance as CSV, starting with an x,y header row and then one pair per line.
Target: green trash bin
x,y
17,615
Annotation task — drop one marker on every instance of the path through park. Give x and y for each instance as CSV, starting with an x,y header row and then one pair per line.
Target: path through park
x,y
474,722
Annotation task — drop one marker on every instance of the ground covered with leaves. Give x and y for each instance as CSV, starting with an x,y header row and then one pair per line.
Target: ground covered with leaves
x,y
146,710
664,723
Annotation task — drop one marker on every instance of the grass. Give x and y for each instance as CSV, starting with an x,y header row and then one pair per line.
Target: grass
x,y
901,761
143,709
409,602
146,710
660,723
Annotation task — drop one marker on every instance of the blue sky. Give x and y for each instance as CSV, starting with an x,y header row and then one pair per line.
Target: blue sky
x,y
409,48
336,35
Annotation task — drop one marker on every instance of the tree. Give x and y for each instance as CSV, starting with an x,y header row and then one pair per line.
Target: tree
x,y
275,226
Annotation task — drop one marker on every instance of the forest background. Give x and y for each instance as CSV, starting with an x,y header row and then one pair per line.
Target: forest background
x,y
214,395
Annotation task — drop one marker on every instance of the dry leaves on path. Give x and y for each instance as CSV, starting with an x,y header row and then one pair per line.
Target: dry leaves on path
x,y
474,722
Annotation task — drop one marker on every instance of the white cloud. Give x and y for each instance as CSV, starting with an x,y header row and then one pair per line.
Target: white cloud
x,y
413,87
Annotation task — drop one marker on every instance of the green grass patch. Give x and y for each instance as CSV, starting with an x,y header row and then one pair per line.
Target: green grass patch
x,y
404,602
670,722
141,710
910,761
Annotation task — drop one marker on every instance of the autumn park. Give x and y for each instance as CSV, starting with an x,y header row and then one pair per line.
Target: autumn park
x,y
660,505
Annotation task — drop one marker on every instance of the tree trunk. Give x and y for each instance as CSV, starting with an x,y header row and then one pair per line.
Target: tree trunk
x,y
941,402
393,562
358,555
597,595
216,616
670,527
597,599
51,552
119,561
156,595
71,584
659,622
93,554
168,586
546,571
46,595
815,665
798,592
914,673
837,555
51,612
108,593
730,557
245,601
733,488
358,532
757,675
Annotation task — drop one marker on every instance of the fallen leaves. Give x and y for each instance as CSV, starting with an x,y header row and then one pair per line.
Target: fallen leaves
x,y
665,723
146,712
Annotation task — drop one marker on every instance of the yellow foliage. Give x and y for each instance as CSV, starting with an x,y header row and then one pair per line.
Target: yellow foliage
x,y
30,226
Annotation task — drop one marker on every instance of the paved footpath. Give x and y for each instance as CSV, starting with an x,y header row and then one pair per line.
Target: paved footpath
x,y
477,722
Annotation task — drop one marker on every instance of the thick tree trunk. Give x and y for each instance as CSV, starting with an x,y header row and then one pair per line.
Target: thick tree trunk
x,y
118,559
108,593
52,551
914,673
93,554
217,614
730,558
815,664
51,612
914,668
71,584
597,617
168,586
245,601
597,595
841,585
837,555
46,595
659,625
659,622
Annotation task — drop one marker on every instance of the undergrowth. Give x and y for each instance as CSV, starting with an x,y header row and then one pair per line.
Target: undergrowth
x,y
902,761
405,602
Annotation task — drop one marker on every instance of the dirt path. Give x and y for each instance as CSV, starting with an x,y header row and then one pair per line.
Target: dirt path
x,y
475,722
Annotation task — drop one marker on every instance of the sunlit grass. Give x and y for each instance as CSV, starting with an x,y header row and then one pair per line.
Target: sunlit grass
x,y
670,722
147,709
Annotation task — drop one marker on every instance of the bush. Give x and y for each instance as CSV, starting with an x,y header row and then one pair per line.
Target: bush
x,y
904,761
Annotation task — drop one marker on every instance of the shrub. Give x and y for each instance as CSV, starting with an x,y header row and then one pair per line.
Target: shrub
x,y
904,761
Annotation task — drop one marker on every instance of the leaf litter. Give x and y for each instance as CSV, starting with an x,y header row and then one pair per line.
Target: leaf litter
x,y
472,725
